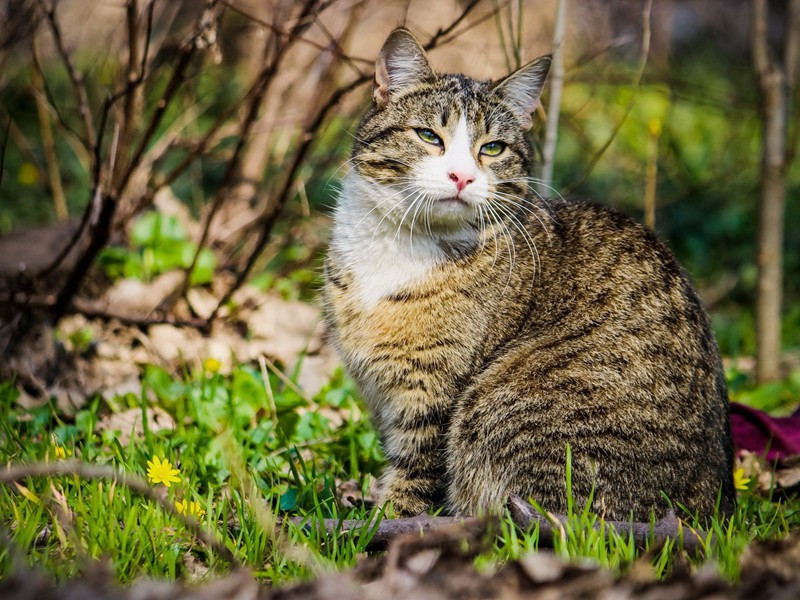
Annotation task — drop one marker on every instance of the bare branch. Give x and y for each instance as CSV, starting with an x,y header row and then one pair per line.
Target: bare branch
x,y
761,58
645,52
46,132
525,517
18,472
554,106
772,80
133,95
265,80
92,207
75,77
335,49
792,52
3,147
98,310
274,208
98,239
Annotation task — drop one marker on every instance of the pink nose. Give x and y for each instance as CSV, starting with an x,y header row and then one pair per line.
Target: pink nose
x,y
461,180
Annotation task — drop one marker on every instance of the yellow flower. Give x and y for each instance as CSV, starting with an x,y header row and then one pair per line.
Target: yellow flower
x,y
160,471
212,365
654,127
739,480
28,174
191,509
60,452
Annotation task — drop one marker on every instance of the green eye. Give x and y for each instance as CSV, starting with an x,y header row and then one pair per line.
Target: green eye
x,y
426,135
493,148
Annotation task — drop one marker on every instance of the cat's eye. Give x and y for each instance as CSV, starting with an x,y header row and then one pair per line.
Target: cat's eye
x,y
493,149
426,135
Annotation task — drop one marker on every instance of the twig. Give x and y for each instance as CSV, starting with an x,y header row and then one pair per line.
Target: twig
x,y
524,516
273,209
184,58
46,131
554,107
266,77
334,49
75,77
18,472
3,147
387,530
445,39
100,235
635,92
97,310
651,173
133,91
669,527
93,206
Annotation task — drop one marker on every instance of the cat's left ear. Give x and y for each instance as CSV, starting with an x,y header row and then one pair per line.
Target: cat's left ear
x,y
523,88
402,62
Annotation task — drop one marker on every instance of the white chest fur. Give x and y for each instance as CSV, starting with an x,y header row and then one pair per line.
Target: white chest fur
x,y
382,256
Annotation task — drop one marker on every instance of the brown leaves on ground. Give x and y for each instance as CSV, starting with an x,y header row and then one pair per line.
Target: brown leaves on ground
x,y
776,479
116,353
441,566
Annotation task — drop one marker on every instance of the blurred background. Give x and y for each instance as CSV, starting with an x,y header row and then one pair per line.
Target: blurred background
x,y
198,145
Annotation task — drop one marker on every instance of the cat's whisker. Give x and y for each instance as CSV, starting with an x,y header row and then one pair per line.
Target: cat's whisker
x,y
414,219
537,181
405,214
386,214
527,209
407,188
531,243
512,253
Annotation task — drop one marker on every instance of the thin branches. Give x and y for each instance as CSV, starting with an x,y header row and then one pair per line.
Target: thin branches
x,y
46,132
264,81
643,56
554,106
268,218
75,77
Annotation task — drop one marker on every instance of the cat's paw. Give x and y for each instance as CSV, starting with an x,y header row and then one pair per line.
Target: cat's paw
x,y
404,504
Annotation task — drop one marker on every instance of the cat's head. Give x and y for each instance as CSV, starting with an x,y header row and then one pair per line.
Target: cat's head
x,y
448,147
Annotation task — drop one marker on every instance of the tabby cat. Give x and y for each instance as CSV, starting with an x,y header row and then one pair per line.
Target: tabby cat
x,y
487,329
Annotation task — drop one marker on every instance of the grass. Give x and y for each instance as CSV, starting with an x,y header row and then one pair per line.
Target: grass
x,y
243,441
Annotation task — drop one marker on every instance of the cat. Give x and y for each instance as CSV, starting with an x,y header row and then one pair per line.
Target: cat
x,y
487,329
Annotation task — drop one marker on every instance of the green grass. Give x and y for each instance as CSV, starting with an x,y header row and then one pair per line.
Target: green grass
x,y
242,442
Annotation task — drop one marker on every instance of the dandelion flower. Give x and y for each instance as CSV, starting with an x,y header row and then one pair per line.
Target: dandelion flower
x,y
190,509
60,452
739,480
161,471
212,365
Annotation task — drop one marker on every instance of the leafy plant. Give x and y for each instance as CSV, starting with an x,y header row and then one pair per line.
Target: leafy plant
x,y
158,243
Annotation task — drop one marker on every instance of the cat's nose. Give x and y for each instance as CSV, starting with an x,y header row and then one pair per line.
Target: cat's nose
x,y
461,180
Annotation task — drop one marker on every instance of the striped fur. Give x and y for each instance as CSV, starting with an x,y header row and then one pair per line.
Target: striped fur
x,y
488,330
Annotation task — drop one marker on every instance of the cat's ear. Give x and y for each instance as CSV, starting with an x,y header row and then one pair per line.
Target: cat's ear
x,y
401,62
523,88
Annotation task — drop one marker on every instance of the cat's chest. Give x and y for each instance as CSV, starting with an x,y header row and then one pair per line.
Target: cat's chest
x,y
382,269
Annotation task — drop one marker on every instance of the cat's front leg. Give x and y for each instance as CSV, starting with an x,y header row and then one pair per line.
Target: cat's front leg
x,y
414,479
407,496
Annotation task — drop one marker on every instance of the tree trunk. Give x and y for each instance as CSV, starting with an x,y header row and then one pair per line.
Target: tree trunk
x,y
773,89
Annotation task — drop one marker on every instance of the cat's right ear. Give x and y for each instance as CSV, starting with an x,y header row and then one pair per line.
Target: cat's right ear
x,y
523,88
401,62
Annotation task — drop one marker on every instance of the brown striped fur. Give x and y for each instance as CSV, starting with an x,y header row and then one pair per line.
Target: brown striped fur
x,y
555,324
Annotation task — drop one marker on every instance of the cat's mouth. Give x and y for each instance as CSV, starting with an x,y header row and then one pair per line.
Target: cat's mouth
x,y
454,201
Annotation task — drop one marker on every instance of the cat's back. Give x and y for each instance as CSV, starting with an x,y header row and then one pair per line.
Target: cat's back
x,y
616,359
